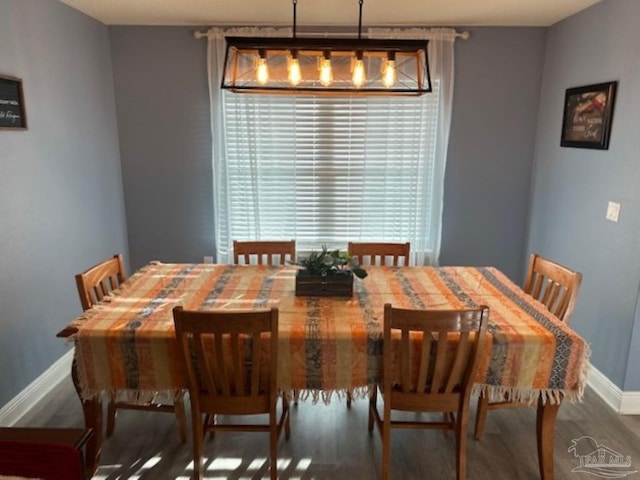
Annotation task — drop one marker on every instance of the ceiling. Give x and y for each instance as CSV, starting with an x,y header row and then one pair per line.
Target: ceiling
x,y
331,12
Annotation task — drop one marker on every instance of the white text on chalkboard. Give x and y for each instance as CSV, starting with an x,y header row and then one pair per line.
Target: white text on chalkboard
x,y
13,117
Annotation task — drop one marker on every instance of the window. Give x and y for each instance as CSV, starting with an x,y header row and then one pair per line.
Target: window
x,y
328,169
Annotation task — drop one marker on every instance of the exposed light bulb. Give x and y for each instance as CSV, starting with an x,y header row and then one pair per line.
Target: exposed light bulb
x,y
389,74
295,74
326,73
358,77
262,70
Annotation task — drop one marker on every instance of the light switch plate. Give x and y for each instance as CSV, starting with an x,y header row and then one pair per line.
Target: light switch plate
x,y
613,211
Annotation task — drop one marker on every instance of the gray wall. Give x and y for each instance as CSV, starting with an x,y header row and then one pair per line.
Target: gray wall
x,y
488,175
163,120
572,186
160,76
61,192
61,202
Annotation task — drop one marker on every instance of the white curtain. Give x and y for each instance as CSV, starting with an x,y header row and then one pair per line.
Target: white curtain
x,y
215,65
441,66
441,62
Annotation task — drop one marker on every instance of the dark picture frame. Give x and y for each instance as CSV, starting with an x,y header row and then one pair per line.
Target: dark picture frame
x,y
13,115
588,112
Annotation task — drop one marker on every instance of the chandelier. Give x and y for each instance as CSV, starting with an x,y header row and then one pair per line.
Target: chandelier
x,y
326,65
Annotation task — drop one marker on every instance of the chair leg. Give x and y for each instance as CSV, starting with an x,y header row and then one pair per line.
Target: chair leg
x,y
349,399
178,405
273,444
386,448
373,403
386,439
461,442
197,428
111,417
481,415
209,420
287,423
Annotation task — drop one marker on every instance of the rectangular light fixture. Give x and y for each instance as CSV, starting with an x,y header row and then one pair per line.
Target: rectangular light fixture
x,y
324,65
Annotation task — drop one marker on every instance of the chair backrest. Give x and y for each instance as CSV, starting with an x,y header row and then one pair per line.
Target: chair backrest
x,y
100,280
264,250
435,353
377,253
554,285
230,359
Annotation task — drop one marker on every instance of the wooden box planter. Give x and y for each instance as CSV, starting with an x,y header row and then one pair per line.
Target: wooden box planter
x,y
336,285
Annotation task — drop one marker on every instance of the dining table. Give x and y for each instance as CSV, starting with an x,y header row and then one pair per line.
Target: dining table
x,y
327,346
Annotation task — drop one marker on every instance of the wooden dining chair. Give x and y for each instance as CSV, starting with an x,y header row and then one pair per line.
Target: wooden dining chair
x,y
377,253
265,252
380,253
429,362
100,280
230,372
94,285
269,252
555,286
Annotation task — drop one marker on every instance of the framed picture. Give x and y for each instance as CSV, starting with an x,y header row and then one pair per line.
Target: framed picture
x,y
12,111
588,111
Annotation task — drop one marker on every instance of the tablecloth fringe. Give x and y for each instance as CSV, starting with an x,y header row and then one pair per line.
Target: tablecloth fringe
x,y
530,396
327,395
137,397
142,397
495,393
585,369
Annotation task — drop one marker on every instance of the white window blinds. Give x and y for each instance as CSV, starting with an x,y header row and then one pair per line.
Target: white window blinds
x,y
328,169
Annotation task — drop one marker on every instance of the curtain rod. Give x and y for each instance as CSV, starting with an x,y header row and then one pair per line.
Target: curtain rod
x,y
198,35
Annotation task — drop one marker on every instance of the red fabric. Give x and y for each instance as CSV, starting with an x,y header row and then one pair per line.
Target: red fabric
x,y
46,461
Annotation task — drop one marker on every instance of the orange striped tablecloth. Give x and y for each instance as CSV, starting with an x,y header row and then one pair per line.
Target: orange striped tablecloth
x,y
126,345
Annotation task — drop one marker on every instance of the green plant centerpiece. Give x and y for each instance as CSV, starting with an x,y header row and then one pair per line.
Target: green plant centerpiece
x,y
328,273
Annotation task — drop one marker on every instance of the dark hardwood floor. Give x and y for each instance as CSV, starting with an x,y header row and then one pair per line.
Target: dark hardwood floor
x,y
332,442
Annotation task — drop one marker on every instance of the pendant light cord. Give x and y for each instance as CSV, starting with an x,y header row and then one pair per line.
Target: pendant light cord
x,y
295,5
360,21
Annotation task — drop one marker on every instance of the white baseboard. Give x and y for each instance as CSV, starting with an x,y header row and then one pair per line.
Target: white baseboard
x,y
625,403
630,403
20,405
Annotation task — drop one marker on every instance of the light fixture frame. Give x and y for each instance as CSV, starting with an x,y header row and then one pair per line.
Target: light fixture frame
x,y
317,47
245,51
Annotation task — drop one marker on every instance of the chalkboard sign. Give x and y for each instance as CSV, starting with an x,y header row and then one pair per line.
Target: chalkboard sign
x,y
12,112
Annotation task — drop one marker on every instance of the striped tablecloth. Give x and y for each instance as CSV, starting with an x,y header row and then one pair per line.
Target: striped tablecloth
x,y
126,345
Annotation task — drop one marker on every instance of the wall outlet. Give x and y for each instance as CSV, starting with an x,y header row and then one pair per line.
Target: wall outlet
x,y
208,259
613,211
